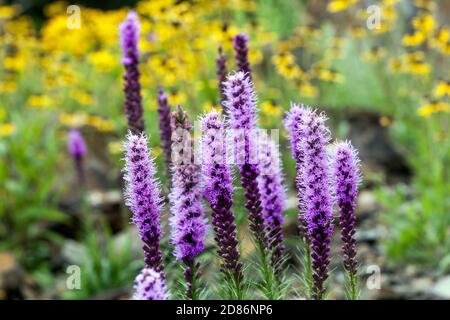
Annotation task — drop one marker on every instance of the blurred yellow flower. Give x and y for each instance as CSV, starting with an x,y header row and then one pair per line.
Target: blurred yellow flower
x,y
7,129
308,90
270,108
8,86
40,101
103,60
433,107
340,5
115,147
81,97
413,40
442,88
7,12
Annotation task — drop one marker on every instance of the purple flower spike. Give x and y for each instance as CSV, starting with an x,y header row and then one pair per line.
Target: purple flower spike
x,y
150,285
221,65
129,37
273,197
317,197
78,150
188,220
218,189
292,123
242,119
240,45
346,179
143,196
164,127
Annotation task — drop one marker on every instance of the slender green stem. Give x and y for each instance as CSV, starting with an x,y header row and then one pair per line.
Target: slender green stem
x,y
192,277
352,291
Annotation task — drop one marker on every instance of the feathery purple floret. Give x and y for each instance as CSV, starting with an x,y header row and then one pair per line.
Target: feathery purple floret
x,y
221,65
292,123
317,197
241,107
346,180
78,150
129,37
188,220
218,190
273,196
165,132
240,45
143,196
150,285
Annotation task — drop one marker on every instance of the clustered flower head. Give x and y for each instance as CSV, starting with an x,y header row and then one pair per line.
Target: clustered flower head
x,y
240,45
272,195
142,196
221,66
218,190
129,38
164,127
317,198
188,220
346,176
292,122
241,107
78,150
150,285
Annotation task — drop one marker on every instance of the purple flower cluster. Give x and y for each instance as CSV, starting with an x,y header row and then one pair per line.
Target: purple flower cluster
x,y
240,45
218,190
150,285
221,65
292,122
142,196
164,127
78,150
188,220
241,106
317,196
272,196
346,179
129,37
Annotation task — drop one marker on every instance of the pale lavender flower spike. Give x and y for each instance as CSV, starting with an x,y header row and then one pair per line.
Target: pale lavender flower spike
x,y
317,199
150,285
273,196
142,196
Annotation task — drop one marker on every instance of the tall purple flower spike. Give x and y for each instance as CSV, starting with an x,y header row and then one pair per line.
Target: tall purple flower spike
x,y
346,179
221,65
150,285
78,150
317,197
292,123
241,106
188,221
142,196
240,45
165,132
129,38
218,190
273,196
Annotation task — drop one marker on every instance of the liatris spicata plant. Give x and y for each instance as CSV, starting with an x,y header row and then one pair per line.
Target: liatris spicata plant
x,y
273,196
218,190
150,285
346,179
240,45
241,106
78,150
142,196
221,65
165,132
292,123
317,197
129,38
188,221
